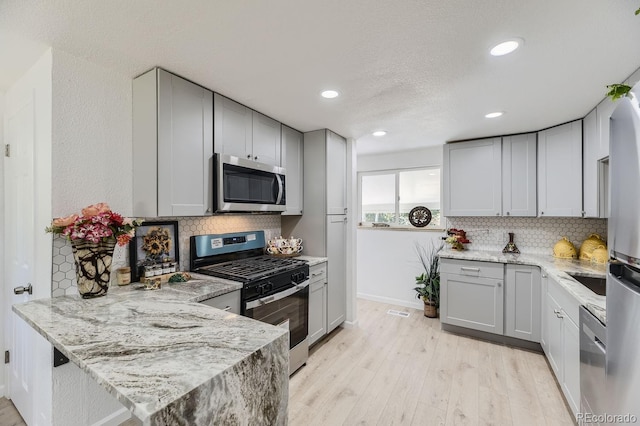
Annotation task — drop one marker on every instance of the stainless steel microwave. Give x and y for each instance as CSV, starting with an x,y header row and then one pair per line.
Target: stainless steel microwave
x,y
248,186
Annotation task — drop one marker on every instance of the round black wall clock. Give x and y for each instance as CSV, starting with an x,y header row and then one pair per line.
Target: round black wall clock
x,y
420,216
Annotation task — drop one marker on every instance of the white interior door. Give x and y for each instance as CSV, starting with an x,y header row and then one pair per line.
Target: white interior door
x,y
19,253
27,249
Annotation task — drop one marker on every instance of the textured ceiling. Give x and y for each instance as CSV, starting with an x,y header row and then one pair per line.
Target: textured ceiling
x,y
418,69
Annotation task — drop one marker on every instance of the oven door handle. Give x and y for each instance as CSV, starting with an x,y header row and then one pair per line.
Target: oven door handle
x,y
278,296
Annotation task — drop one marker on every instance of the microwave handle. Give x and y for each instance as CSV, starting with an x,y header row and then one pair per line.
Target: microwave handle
x,y
280,188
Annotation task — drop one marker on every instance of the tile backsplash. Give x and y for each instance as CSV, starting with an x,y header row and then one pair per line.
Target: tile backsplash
x,y
532,235
63,268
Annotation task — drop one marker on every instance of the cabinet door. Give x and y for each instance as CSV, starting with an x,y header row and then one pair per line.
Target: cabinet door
x,y
522,294
472,178
591,147
233,127
544,319
560,171
472,302
292,161
554,335
185,147
519,175
337,271
571,363
317,311
336,174
266,139
604,111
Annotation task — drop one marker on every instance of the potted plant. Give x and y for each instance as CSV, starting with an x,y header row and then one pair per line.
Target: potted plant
x,y
428,283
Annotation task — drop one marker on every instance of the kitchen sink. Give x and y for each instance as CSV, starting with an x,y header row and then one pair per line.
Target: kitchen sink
x,y
597,285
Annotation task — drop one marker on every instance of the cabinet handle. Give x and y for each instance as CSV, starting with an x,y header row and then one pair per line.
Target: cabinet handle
x,y
560,316
249,156
466,268
508,214
345,220
541,213
499,283
498,214
228,308
255,158
544,275
319,273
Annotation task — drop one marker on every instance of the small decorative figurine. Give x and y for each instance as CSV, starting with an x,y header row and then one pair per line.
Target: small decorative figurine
x,y
511,246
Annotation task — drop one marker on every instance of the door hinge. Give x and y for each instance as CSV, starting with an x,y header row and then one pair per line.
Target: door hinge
x,y
7,357
7,150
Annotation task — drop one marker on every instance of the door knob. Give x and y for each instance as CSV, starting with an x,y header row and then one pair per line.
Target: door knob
x,y
20,290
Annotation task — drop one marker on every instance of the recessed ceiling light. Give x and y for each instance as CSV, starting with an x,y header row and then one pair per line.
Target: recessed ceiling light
x,y
494,114
379,133
330,94
506,47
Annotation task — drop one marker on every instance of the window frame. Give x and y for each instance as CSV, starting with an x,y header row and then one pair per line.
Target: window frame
x,y
396,172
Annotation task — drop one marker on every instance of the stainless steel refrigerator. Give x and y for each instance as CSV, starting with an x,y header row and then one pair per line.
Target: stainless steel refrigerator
x,y
623,275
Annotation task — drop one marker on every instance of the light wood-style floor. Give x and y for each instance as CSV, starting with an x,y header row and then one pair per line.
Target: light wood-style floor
x,y
392,370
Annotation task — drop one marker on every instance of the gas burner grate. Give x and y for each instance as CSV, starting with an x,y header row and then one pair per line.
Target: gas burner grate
x,y
251,268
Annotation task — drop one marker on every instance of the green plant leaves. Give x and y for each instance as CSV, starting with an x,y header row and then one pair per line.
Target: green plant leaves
x,y
617,91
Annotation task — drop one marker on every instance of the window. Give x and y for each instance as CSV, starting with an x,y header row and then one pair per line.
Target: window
x,y
389,196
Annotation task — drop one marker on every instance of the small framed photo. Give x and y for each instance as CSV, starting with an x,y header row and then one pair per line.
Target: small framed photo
x,y
155,243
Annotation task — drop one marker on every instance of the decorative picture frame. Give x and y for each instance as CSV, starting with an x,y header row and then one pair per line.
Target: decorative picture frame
x,y
155,242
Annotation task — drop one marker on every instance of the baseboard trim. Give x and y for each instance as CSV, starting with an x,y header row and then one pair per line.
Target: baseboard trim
x,y
496,338
2,388
350,324
114,419
399,302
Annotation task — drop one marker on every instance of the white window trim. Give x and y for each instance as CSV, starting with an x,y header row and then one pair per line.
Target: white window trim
x,y
369,225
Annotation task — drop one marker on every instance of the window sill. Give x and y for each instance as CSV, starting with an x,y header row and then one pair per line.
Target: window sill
x,y
400,228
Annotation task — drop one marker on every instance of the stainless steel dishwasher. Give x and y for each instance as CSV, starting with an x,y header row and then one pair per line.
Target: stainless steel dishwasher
x,y
593,390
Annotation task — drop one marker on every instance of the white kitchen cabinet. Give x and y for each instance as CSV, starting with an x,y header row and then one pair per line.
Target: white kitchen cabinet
x,y
590,151
293,163
560,171
562,340
324,233
472,178
522,302
603,111
337,271
519,175
471,295
241,132
172,146
336,174
229,302
317,302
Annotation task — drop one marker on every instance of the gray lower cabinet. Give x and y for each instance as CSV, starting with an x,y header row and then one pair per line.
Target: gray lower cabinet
x,y
561,340
471,295
522,304
229,302
317,302
337,271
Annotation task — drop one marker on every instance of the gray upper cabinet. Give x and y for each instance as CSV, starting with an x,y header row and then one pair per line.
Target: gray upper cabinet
x,y
172,146
336,174
241,132
292,161
522,302
591,147
472,178
560,171
519,175
604,111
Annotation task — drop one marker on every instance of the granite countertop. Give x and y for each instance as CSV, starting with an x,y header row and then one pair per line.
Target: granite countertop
x,y
558,269
312,260
168,359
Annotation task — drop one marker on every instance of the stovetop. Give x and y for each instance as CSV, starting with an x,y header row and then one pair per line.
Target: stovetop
x,y
252,268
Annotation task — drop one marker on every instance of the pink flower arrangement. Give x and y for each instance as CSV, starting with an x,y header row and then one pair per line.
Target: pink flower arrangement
x,y
97,223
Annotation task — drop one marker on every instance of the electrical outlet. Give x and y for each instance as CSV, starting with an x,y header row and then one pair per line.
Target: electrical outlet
x,y
119,255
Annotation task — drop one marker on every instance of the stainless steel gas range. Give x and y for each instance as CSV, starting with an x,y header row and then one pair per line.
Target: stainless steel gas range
x,y
275,290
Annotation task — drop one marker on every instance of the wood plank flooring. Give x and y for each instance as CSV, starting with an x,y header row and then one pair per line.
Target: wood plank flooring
x,y
392,370
405,371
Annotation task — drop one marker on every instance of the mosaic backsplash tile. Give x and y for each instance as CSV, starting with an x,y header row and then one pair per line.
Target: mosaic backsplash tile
x,y
63,268
532,235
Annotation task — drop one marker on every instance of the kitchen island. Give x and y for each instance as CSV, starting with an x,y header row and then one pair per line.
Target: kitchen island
x,y
168,359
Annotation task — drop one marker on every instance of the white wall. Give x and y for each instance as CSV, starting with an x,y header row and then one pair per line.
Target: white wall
x,y
387,263
92,145
92,136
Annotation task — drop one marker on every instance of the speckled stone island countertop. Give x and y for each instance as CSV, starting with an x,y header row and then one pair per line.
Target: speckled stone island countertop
x,y
312,260
558,269
169,359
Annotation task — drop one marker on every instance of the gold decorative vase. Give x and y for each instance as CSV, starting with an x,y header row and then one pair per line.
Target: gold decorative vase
x,y
93,266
